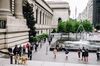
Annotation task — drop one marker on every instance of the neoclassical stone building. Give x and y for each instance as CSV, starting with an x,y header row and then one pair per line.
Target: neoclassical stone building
x,y
13,28
43,15
61,10
47,14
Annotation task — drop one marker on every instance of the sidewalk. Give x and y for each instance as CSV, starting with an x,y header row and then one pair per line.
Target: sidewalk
x,y
6,61
44,57
41,55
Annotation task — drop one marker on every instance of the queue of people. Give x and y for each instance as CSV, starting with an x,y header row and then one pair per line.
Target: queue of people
x,y
18,52
84,53
22,52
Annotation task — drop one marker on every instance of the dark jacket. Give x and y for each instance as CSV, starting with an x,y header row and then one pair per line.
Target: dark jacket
x,y
15,51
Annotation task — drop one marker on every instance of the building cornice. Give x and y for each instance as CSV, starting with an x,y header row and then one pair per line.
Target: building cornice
x,y
43,7
60,8
47,4
53,2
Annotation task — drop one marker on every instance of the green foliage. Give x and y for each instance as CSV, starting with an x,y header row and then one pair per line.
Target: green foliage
x,y
74,26
34,39
87,26
39,38
61,27
69,26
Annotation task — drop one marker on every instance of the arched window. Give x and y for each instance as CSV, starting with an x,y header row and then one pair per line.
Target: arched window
x,y
59,19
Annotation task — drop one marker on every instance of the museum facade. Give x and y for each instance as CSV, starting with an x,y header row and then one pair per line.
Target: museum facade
x,y
13,27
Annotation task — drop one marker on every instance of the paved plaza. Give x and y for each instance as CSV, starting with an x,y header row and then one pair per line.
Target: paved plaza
x,y
41,55
46,58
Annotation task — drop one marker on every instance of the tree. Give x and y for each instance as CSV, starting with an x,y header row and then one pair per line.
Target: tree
x,y
29,16
87,26
61,27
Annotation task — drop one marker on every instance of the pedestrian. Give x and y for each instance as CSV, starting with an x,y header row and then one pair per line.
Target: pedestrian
x,y
86,55
79,53
27,45
20,50
41,44
36,46
98,54
49,40
24,49
55,52
66,52
15,52
11,55
30,52
83,53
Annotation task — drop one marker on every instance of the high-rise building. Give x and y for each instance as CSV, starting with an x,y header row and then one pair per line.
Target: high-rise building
x,y
96,13
92,13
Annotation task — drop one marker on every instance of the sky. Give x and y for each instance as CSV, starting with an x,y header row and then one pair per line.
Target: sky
x,y
75,5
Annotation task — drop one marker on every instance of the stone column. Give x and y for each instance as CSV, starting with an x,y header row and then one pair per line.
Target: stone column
x,y
42,19
18,8
38,18
5,7
45,19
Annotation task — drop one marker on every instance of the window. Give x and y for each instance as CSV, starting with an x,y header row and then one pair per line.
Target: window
x,y
2,24
43,18
36,15
40,17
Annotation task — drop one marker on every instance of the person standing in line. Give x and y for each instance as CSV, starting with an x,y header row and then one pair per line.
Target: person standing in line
x,y
30,52
11,55
15,52
55,52
79,53
20,50
24,49
83,53
86,55
98,54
